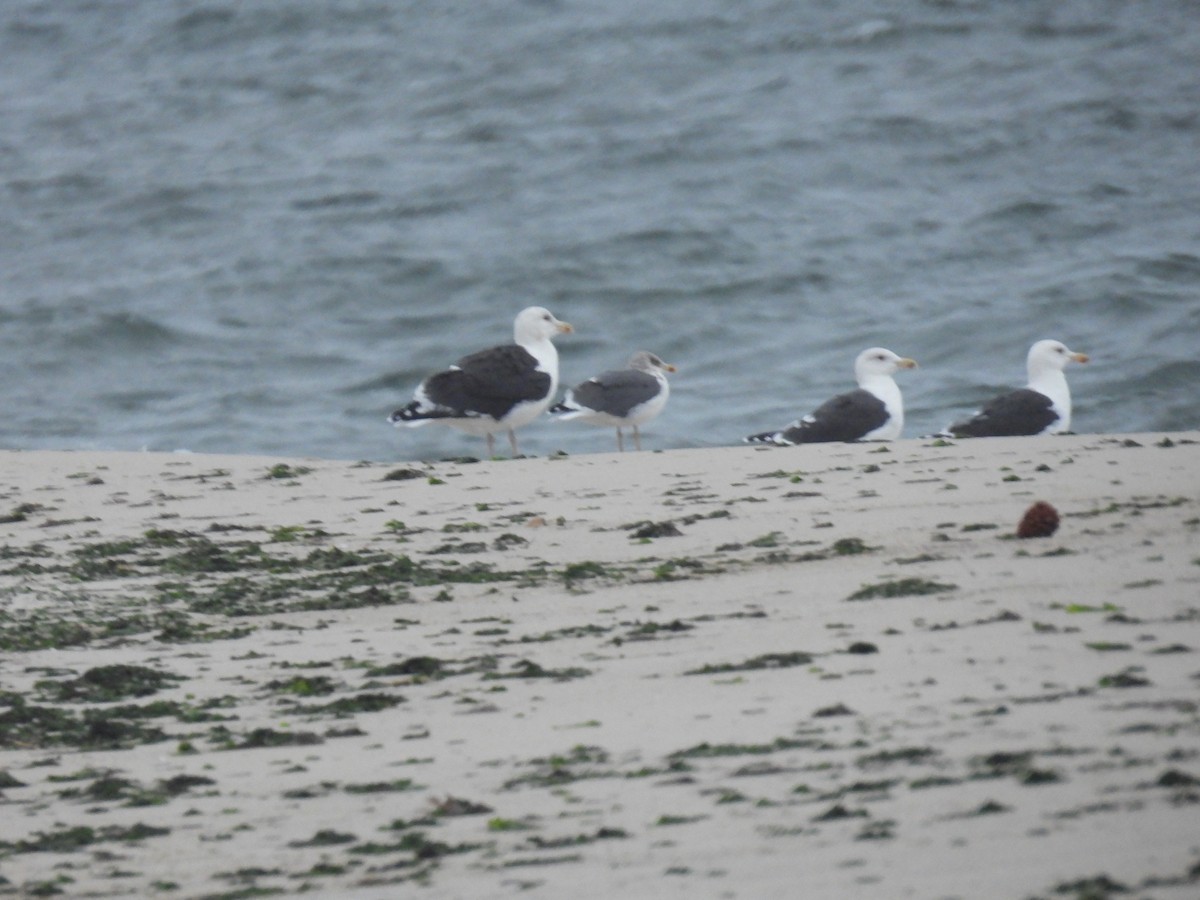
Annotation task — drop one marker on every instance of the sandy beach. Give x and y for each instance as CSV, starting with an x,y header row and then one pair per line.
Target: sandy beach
x,y
828,671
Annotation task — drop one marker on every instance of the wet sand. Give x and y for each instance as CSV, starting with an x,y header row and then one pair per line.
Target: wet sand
x,y
747,672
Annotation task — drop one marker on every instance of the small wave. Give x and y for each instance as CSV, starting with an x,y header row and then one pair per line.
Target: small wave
x,y
124,331
1016,226
65,188
387,268
1157,400
212,27
400,383
868,32
337,201
134,401
896,128
25,30
1048,30
1178,268
206,17
164,206
1021,211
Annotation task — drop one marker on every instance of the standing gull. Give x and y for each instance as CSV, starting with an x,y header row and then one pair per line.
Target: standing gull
x,y
874,412
621,398
499,389
1043,407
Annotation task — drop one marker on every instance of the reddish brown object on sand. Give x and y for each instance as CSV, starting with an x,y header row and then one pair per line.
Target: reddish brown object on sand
x,y
1040,520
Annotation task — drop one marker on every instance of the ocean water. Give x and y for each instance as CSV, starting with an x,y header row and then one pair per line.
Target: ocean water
x,y
232,227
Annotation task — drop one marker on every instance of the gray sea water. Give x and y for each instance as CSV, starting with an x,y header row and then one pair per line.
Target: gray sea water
x,y
253,227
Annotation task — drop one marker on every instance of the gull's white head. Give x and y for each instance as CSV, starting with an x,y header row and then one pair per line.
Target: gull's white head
x,y
878,362
1050,356
536,323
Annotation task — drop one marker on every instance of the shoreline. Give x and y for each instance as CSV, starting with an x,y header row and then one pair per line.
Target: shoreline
x,y
720,672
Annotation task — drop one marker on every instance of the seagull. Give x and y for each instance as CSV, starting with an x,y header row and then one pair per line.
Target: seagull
x,y
498,389
620,398
1043,407
874,412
